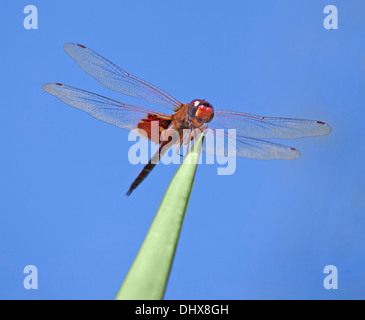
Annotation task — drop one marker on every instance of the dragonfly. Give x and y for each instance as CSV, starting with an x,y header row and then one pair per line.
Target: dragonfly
x,y
196,115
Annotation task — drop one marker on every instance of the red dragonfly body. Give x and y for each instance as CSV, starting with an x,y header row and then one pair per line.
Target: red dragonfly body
x,y
194,115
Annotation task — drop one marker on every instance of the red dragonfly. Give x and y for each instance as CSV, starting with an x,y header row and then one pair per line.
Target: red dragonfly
x,y
194,115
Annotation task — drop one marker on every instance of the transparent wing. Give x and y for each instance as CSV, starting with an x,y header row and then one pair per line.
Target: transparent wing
x,y
268,127
111,111
222,143
115,78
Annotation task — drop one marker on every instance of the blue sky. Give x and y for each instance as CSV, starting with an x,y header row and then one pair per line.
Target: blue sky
x,y
266,232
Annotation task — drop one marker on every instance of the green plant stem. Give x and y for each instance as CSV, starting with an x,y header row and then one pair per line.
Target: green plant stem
x,y
147,278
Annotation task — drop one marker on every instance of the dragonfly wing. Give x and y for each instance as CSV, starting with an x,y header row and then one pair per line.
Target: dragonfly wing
x,y
115,78
223,143
268,127
111,111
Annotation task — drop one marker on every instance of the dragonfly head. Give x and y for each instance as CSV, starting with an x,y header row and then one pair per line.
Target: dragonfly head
x,y
200,111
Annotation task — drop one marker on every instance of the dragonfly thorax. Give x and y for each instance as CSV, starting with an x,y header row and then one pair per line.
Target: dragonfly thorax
x,y
200,111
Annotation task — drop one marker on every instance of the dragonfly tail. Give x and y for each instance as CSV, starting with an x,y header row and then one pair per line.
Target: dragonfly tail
x,y
141,176
148,167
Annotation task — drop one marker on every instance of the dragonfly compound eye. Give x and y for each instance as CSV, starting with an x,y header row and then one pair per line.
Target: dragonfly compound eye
x,y
201,110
